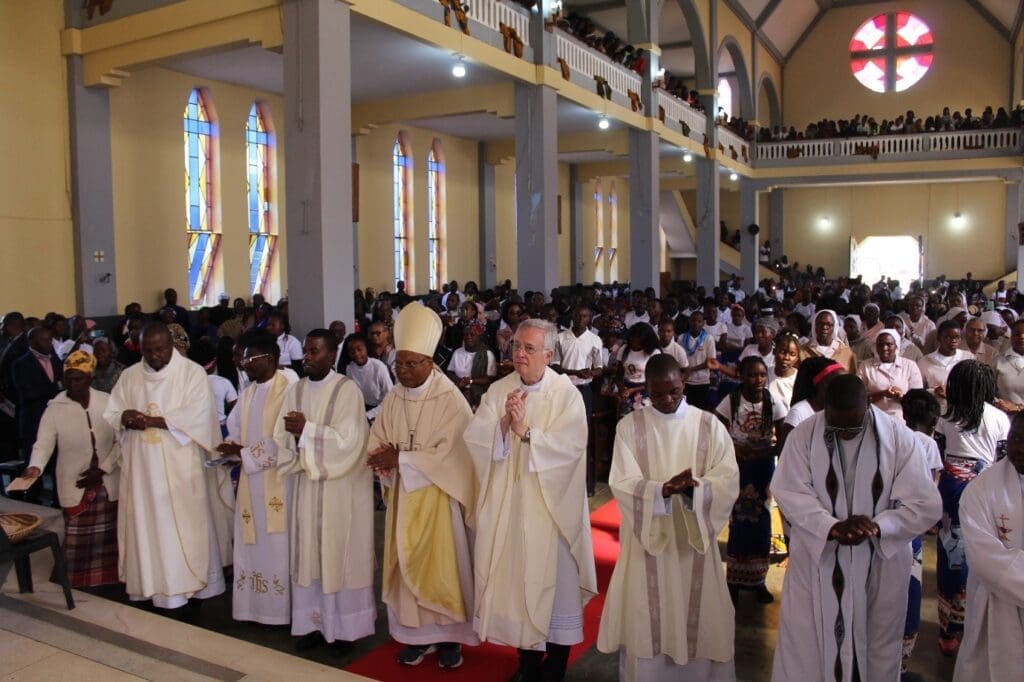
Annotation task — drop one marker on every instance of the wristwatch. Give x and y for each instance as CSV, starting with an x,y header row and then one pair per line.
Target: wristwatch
x,y
526,436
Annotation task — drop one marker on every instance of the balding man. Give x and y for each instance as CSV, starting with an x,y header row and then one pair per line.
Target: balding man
x,y
533,555
853,483
171,508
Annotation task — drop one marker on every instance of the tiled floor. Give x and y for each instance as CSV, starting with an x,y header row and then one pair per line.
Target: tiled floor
x,y
110,640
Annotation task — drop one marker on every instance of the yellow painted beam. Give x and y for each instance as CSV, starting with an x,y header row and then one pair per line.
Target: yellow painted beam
x,y
882,168
497,99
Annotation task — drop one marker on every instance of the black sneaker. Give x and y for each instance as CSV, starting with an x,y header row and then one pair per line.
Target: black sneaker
x,y
449,656
414,655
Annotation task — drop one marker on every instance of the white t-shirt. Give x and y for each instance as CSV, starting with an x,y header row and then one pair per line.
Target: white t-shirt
x,y
781,388
634,364
632,318
578,352
223,392
931,451
716,330
737,334
291,350
980,444
696,355
799,413
373,380
677,352
461,364
747,424
769,359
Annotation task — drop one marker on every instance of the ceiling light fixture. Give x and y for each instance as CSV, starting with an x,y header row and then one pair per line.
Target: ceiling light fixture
x,y
825,221
959,220
459,68
734,177
687,157
604,123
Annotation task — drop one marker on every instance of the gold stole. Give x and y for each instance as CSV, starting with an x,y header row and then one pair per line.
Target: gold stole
x,y
426,542
273,484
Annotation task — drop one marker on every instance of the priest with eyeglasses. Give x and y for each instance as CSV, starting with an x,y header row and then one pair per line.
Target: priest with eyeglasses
x,y
854,484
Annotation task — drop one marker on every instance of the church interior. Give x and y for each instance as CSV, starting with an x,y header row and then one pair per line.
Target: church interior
x,y
335,145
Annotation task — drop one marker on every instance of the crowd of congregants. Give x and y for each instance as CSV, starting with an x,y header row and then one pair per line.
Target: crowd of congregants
x,y
870,416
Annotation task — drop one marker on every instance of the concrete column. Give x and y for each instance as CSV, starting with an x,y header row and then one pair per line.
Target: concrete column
x,y
777,206
355,230
488,220
748,242
536,187
707,219
576,212
92,196
644,210
318,162
1014,215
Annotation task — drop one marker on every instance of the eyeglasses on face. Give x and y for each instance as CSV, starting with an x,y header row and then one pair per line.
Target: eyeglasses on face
x,y
526,348
253,358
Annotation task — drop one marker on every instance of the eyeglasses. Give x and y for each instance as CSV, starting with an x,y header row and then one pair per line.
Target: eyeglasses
x,y
845,430
253,358
529,350
411,364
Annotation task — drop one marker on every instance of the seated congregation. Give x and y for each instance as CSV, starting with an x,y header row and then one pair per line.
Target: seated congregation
x,y
480,421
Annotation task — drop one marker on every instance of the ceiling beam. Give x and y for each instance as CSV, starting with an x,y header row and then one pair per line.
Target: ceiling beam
x,y
752,26
767,12
1017,21
987,16
803,36
677,45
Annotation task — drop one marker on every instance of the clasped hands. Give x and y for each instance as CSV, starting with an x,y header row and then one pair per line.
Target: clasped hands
x,y
853,530
139,421
682,482
383,459
515,414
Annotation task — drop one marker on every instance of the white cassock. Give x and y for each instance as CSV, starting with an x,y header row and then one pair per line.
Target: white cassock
x,y
845,606
534,558
174,513
427,577
668,611
992,524
331,532
262,588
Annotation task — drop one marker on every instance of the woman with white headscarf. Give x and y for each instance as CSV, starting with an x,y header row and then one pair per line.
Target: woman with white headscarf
x,y
871,325
888,376
908,349
824,343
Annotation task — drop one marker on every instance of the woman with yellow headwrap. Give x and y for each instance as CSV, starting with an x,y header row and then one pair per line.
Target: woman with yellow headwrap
x,y
74,424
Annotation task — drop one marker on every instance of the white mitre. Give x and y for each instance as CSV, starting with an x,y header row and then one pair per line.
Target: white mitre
x,y
417,330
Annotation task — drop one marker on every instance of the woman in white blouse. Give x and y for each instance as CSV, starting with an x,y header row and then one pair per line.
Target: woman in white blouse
x,y
1009,368
935,367
887,376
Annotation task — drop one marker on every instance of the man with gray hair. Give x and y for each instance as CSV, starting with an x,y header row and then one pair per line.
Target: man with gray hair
x,y
533,557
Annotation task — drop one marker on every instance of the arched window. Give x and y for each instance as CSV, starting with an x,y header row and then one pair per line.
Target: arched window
x,y
613,233
203,234
724,98
598,232
402,165
437,227
262,230
891,52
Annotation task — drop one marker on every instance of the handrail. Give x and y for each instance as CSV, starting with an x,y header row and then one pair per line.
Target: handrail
x,y
590,63
494,13
679,111
1004,139
733,146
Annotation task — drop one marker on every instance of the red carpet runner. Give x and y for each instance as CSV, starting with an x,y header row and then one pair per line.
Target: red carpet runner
x,y
491,662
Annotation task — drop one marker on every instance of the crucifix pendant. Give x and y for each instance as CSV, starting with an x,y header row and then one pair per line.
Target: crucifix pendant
x,y
412,440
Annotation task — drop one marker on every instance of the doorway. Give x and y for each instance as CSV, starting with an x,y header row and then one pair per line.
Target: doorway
x,y
897,258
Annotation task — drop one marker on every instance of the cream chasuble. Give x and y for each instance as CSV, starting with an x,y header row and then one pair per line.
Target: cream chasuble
x,y
427,576
843,607
528,503
668,595
992,522
173,519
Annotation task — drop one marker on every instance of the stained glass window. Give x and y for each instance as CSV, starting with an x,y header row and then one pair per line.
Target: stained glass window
x,y
402,228
891,52
598,232
262,231
436,231
724,97
613,233
203,235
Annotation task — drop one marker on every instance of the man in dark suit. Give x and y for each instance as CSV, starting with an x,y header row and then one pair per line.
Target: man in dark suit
x,y
36,379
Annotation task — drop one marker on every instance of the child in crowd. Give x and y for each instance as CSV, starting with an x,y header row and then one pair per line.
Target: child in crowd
x,y
370,374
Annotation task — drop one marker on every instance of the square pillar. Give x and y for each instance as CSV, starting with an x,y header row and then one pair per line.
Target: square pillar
x,y
488,220
708,217
1014,215
318,163
536,109
644,210
776,205
749,246
92,196
576,212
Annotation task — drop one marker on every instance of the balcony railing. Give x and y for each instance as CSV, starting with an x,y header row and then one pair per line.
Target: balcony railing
x,y
677,111
591,64
1001,141
495,13
733,146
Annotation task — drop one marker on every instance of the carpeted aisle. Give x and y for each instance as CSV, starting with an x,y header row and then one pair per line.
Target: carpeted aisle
x,y
491,662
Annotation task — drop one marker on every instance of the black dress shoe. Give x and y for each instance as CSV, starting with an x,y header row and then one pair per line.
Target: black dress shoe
x,y
310,641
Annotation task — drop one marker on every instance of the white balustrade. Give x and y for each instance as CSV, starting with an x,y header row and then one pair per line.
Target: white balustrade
x,y
590,63
494,13
727,139
1001,140
679,111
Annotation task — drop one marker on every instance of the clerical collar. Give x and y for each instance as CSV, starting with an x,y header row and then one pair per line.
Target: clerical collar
x,y
421,389
680,411
315,382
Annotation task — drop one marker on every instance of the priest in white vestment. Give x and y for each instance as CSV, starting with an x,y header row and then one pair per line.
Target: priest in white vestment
x,y
416,446
853,483
992,524
262,587
321,444
533,559
172,517
675,479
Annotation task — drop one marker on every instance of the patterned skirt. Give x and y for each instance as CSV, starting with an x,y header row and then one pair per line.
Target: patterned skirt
x,y
750,526
952,562
90,541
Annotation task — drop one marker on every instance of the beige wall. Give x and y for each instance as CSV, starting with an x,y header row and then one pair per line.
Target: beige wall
x,y
921,209
376,208
149,200
971,66
35,192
